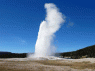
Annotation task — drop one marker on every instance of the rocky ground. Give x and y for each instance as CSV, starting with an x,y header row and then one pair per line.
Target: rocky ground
x,y
26,64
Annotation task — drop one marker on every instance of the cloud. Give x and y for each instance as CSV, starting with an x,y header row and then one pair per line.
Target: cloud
x,y
20,41
23,41
70,24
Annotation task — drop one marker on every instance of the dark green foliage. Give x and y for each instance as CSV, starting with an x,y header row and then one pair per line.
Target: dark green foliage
x,y
4,52
88,52
13,55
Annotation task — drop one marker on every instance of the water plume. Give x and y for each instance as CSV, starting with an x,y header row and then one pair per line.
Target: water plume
x,y
48,27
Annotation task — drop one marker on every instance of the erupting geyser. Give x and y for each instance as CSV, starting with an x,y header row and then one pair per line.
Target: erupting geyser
x,y
47,28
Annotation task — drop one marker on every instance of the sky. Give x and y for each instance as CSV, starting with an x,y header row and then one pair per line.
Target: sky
x,y
20,21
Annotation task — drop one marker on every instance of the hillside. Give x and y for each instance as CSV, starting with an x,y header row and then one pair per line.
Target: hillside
x,y
4,52
12,55
81,53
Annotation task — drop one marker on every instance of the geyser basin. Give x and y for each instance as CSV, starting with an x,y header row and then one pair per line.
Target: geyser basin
x,y
44,45
45,58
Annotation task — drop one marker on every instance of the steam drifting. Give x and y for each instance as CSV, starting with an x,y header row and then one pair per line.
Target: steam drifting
x,y
48,27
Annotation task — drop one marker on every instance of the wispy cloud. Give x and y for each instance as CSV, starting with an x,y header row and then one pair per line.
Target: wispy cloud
x,y
20,41
70,24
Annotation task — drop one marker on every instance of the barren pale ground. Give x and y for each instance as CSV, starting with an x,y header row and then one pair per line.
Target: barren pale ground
x,y
24,64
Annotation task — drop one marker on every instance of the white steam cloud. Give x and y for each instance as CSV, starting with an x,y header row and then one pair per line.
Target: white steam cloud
x,y
48,27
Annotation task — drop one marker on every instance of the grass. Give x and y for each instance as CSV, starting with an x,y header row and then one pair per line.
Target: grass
x,y
16,65
76,65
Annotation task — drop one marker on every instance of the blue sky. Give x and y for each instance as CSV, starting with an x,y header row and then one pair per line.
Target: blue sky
x,y
20,21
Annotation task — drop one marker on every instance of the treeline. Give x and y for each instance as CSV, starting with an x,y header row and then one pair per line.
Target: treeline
x,y
82,53
13,55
